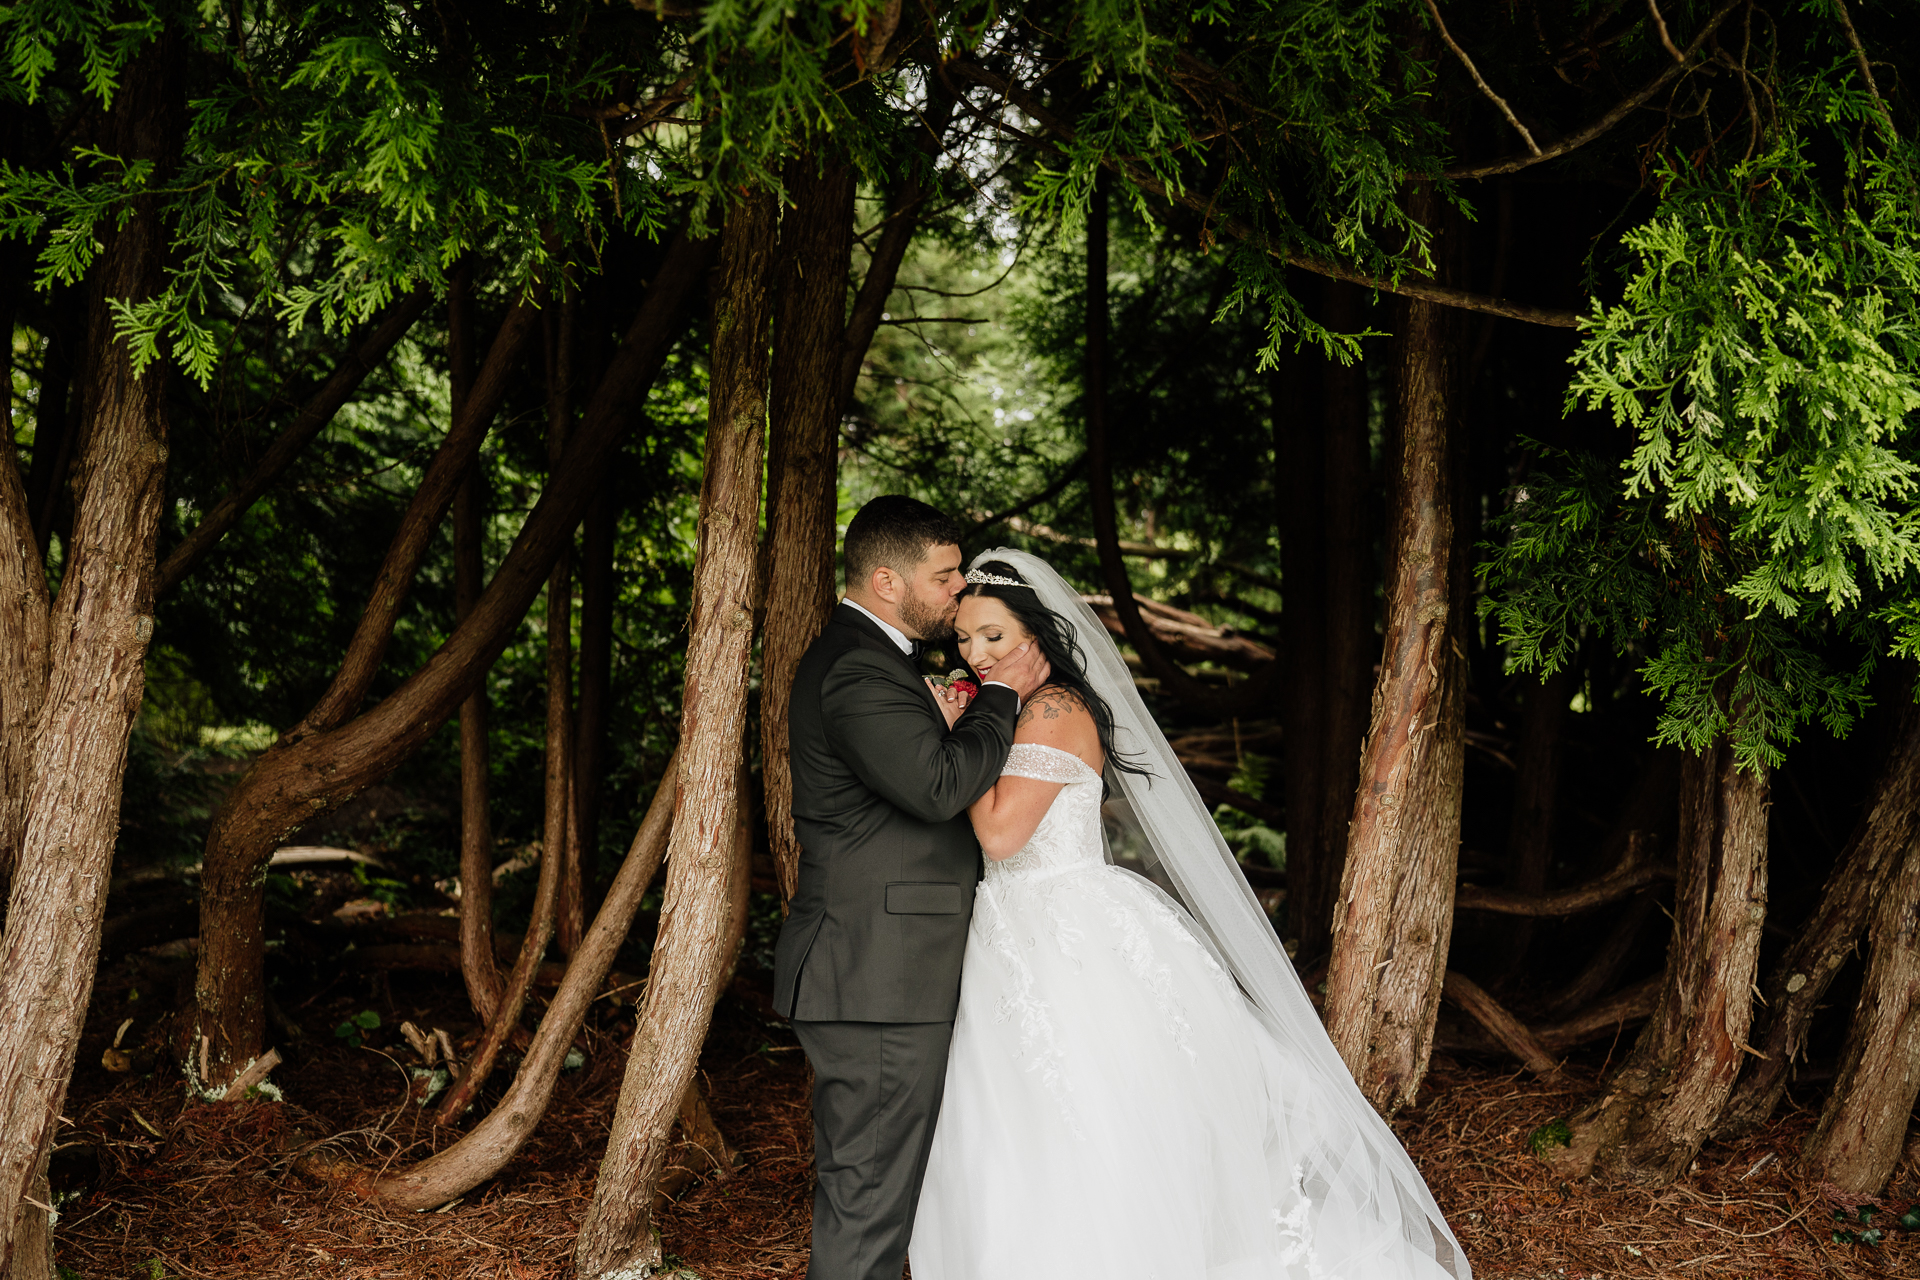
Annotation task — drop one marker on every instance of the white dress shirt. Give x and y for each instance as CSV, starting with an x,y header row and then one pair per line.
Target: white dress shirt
x,y
899,638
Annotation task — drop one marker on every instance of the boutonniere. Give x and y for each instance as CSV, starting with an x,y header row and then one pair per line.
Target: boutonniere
x,y
958,681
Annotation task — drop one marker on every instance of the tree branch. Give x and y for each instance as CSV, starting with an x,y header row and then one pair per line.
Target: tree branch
x,y
1866,68
319,411
1136,173
1487,89
1621,110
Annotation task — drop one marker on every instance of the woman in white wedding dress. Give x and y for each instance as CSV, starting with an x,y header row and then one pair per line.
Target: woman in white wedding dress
x,y
1138,1085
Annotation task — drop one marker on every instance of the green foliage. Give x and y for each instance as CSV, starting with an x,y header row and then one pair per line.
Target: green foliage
x,y
354,1029
1247,836
380,888
1758,549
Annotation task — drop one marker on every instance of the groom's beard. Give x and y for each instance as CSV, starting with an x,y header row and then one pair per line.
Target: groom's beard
x,y
931,625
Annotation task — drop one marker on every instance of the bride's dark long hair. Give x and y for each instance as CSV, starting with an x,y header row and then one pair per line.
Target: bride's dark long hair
x,y
1056,641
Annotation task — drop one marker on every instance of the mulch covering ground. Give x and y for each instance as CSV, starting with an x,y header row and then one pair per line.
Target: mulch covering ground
x,y
156,1185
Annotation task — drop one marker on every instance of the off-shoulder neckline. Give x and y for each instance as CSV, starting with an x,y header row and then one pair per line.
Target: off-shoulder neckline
x,y
1058,751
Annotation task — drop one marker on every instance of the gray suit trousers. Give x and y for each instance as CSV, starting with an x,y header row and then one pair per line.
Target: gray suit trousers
x,y
876,1096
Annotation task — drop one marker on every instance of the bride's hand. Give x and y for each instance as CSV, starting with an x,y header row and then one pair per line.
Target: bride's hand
x,y
950,701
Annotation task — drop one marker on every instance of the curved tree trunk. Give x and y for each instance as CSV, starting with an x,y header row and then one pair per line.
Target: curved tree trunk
x,y
1863,1127
307,772
816,250
484,1151
1394,916
229,995
695,918
97,640
1827,940
1668,1096
23,653
477,966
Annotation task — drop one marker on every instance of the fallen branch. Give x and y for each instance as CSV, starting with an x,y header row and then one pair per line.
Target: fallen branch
x,y
252,1076
1219,793
1630,1005
1622,883
1498,1023
1188,635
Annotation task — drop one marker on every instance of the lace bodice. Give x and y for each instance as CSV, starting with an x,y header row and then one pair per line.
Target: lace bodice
x,y
1068,837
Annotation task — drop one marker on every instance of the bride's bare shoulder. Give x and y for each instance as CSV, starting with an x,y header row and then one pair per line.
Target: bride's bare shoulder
x,y
1058,717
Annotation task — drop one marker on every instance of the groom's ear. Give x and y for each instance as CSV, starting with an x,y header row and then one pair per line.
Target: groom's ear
x,y
887,585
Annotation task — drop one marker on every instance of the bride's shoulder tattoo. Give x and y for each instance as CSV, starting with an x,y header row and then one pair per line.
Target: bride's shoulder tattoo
x,y
1050,704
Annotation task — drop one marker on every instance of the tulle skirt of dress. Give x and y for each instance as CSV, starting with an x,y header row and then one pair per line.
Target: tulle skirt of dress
x,y
1114,1108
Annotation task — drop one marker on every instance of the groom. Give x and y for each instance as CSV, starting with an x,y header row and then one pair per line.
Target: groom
x,y
868,962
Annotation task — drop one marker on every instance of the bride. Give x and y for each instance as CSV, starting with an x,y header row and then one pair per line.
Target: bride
x,y
1138,1086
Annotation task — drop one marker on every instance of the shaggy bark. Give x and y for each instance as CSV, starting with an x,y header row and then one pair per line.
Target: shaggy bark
x,y
97,638
1394,916
1666,1099
23,653
1822,945
1864,1124
485,1150
477,965
695,918
816,250
312,419
307,772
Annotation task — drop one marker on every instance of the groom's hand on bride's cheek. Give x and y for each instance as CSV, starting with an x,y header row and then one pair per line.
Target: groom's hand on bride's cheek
x,y
1024,670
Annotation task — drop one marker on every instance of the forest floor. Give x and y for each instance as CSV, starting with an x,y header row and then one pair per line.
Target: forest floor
x,y
155,1185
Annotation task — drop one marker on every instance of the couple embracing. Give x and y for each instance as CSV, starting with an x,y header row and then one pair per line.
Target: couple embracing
x,y
1039,1063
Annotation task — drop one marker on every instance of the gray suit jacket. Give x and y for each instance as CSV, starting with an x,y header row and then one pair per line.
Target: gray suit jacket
x,y
888,860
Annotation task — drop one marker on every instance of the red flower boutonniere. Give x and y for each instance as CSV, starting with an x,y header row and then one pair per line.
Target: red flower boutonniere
x,y
958,681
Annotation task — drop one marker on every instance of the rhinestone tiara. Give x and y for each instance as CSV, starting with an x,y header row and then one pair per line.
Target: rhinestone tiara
x,y
982,577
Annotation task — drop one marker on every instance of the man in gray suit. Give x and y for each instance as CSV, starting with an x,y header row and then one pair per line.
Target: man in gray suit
x,y
868,961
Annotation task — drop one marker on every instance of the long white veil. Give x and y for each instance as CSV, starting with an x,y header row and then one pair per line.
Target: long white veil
x,y
1359,1175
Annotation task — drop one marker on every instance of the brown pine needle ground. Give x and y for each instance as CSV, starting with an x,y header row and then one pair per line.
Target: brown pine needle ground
x,y
182,1189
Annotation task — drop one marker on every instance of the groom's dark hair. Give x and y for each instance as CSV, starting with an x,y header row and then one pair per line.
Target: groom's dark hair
x,y
895,531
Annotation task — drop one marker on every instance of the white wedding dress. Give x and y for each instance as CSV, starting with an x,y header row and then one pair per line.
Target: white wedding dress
x,y
1138,1086
1113,1106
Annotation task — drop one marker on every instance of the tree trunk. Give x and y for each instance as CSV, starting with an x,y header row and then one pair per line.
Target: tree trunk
x,y
312,419
597,589
1827,940
97,639
485,1150
307,772
23,654
816,250
570,908
689,957
1394,917
1350,644
477,965
1530,831
1863,1127
228,993
1668,1096
1299,455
